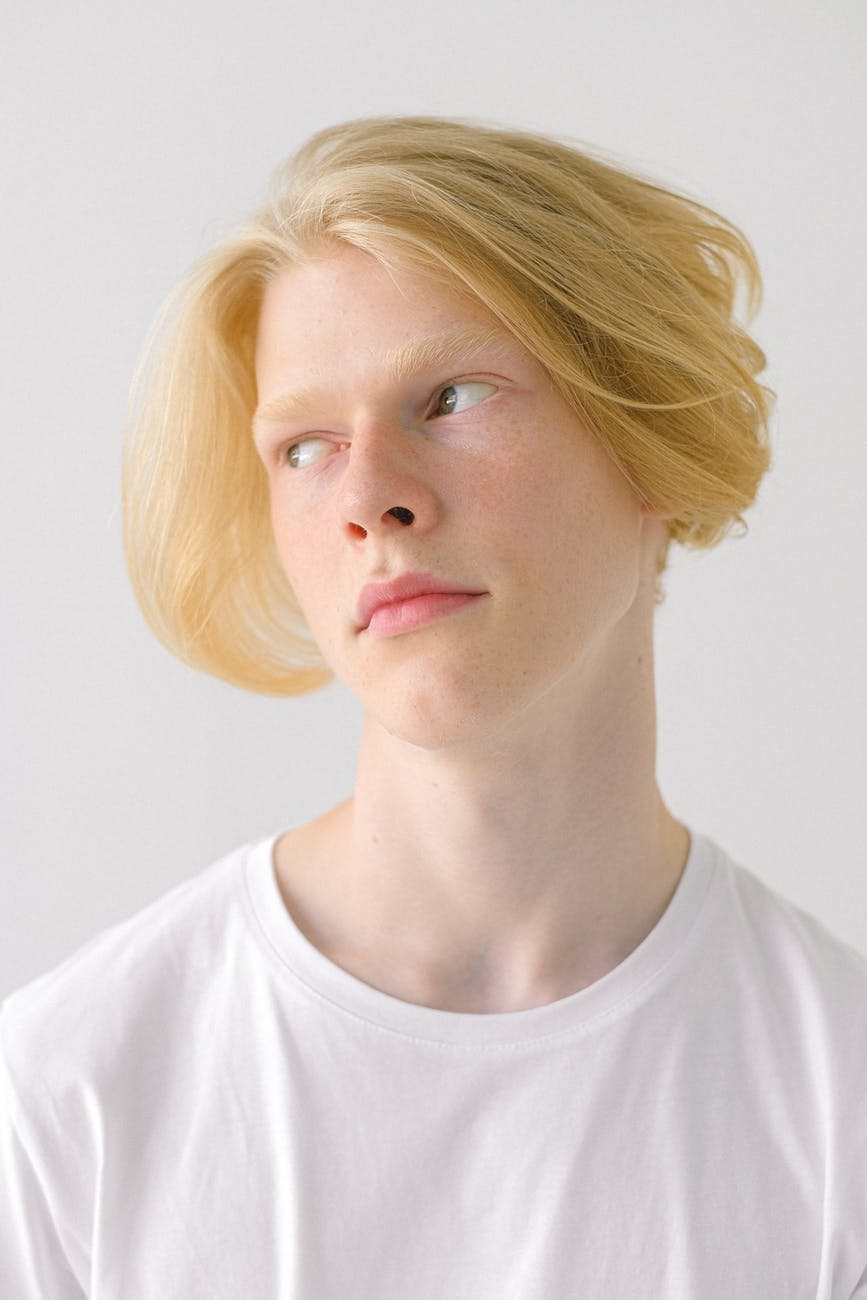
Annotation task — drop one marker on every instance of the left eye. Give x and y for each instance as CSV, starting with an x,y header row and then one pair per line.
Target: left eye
x,y
457,397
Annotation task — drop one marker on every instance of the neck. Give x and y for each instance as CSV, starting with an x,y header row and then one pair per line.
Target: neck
x,y
513,870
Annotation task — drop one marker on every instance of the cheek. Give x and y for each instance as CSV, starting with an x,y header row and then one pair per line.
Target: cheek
x,y
292,542
537,501
579,530
304,560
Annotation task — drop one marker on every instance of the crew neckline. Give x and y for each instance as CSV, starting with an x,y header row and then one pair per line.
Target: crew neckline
x,y
632,981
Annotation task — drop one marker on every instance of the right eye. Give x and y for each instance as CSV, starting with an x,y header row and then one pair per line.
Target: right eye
x,y
294,455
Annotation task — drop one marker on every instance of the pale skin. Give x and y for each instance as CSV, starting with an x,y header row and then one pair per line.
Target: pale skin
x,y
506,843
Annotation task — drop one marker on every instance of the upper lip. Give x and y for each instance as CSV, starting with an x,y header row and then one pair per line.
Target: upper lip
x,y
376,594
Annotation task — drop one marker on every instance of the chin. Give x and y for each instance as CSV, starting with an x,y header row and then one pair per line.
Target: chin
x,y
426,722
443,719
433,735
436,700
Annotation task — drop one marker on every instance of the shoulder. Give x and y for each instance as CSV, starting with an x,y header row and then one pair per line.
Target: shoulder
x,y
75,1016
782,935
787,971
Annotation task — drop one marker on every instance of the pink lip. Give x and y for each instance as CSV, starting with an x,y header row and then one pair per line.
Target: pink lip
x,y
407,587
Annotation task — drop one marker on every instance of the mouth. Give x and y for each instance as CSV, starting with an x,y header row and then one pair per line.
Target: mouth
x,y
400,616
405,590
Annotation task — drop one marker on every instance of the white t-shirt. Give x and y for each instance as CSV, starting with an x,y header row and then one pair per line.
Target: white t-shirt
x,y
199,1105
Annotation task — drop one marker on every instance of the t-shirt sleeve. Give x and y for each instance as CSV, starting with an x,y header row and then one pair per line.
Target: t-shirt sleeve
x,y
33,1264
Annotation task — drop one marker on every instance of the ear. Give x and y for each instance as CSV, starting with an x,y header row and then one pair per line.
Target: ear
x,y
654,529
657,512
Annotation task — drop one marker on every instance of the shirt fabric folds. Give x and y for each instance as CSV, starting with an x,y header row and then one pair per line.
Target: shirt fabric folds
x,y
199,1105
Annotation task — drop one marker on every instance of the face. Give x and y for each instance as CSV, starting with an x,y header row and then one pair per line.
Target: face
x,y
380,389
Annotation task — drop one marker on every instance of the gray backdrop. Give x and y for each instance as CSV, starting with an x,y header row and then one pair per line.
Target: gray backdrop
x,y
134,136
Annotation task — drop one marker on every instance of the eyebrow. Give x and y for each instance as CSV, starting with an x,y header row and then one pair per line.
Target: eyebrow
x,y
438,350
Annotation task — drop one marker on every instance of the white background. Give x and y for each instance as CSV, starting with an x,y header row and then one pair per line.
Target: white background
x,y
137,134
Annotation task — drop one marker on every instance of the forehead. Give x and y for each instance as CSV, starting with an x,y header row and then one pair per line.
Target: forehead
x,y
342,275
347,304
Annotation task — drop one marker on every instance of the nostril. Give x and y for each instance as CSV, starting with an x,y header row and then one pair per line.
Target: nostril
x,y
400,512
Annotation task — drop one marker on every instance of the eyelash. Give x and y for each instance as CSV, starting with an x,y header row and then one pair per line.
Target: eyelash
x,y
307,437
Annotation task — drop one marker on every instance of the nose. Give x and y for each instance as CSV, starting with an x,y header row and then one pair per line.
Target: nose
x,y
384,486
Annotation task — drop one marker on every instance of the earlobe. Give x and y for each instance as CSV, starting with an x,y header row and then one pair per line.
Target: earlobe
x,y
654,512
656,532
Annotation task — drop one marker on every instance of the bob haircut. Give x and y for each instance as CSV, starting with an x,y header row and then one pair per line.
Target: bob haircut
x,y
623,290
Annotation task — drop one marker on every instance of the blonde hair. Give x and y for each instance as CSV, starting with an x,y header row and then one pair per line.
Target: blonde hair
x,y
623,290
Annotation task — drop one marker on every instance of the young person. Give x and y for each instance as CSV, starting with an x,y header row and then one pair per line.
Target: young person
x,y
500,1024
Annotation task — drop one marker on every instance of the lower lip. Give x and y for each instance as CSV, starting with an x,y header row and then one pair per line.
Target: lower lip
x,y
407,615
